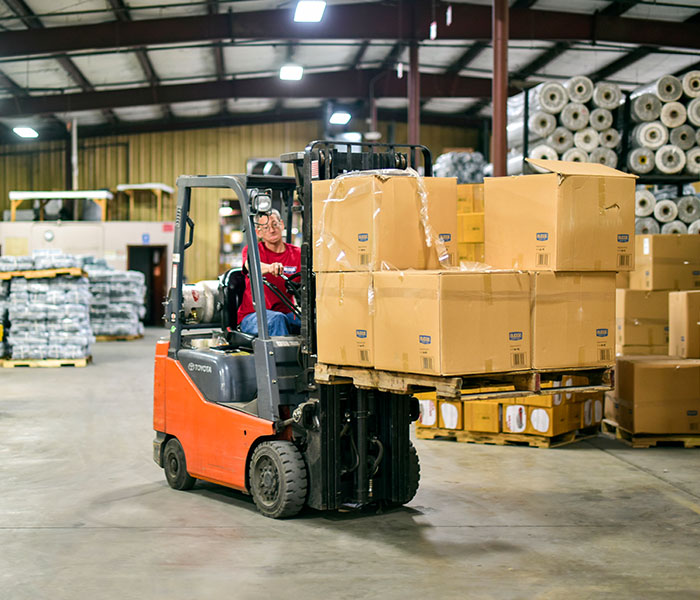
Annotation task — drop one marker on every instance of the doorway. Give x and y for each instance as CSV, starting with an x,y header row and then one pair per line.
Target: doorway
x,y
151,261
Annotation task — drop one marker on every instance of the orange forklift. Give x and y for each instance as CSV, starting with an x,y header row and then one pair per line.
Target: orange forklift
x,y
246,412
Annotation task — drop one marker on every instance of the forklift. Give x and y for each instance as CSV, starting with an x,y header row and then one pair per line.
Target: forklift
x,y
246,412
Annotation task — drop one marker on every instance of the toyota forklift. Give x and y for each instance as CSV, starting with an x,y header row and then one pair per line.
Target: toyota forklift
x,y
246,412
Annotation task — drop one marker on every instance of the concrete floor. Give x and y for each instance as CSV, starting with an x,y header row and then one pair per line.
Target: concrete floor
x,y
85,513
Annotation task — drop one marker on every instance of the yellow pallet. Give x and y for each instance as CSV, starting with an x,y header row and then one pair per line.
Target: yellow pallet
x,y
650,440
44,273
507,439
9,363
118,338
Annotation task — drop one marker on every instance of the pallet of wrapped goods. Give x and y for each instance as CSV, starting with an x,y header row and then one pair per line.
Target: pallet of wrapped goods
x,y
117,302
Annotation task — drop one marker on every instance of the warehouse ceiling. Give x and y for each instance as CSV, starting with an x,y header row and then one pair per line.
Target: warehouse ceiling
x,y
122,66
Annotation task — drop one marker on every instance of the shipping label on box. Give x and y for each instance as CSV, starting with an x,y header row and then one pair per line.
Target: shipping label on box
x,y
573,317
577,217
344,309
368,222
451,322
666,262
684,324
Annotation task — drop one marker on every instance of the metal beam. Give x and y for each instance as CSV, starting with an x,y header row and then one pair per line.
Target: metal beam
x,y
361,51
349,21
469,55
337,84
213,9
393,56
500,86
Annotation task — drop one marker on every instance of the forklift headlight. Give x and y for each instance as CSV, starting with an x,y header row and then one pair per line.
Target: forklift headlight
x,y
261,203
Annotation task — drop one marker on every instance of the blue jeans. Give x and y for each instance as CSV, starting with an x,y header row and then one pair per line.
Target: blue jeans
x,y
277,323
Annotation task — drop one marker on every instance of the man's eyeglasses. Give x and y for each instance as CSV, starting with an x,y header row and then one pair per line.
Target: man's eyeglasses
x,y
269,225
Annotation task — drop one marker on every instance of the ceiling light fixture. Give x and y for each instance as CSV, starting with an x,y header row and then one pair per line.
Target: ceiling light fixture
x,y
340,118
26,132
309,11
291,72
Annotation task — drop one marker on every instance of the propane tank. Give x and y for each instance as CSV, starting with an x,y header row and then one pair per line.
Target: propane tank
x,y
202,301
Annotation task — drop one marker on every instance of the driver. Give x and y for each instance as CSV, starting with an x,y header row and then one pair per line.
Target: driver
x,y
276,258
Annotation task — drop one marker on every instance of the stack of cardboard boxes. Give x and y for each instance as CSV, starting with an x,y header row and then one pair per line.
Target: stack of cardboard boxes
x,y
658,337
470,222
553,243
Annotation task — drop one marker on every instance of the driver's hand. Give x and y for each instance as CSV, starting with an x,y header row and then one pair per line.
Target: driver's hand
x,y
275,268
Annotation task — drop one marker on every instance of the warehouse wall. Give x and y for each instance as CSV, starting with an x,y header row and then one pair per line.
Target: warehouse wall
x,y
161,157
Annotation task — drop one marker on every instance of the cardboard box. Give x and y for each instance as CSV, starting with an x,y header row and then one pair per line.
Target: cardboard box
x,y
344,318
684,324
658,395
577,217
666,262
622,280
551,421
592,410
470,228
641,318
483,416
573,319
642,350
451,322
366,221
450,414
470,197
428,410
471,252
559,395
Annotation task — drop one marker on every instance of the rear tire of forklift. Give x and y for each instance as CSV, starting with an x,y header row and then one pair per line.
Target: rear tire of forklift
x,y
175,466
413,476
278,479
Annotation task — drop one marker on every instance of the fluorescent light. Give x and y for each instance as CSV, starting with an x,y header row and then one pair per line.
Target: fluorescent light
x,y
26,132
340,118
309,11
291,72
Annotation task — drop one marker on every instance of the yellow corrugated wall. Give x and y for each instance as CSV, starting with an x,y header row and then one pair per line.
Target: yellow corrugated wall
x,y
161,157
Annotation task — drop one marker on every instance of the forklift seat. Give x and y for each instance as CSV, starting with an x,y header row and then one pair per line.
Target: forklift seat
x,y
233,288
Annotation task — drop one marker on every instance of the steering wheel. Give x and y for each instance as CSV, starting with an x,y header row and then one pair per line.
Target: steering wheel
x,y
277,292
293,287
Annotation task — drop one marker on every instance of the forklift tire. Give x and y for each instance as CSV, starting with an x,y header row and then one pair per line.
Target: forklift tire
x,y
278,479
175,466
413,472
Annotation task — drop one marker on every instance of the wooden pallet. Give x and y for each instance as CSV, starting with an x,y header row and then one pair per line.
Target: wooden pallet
x,y
44,273
649,440
463,386
507,439
118,338
46,362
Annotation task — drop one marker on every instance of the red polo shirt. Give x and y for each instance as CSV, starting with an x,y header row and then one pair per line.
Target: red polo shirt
x,y
291,259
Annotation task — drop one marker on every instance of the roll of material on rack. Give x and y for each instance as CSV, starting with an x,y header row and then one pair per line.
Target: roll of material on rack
x,y
540,125
669,159
610,138
691,84
601,119
641,161
548,96
693,111
607,95
579,88
561,139
651,135
665,211
603,156
644,203
646,107
673,114
574,116
674,227
688,208
667,88
575,155
586,139
544,151
694,227
646,226
683,137
692,161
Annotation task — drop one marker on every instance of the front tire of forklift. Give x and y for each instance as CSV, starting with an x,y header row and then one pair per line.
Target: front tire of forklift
x,y
413,472
175,466
278,479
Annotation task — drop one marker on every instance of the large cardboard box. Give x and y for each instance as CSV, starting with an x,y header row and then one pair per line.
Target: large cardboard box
x,y
470,228
365,222
657,395
344,318
642,350
573,319
469,252
622,280
547,421
482,416
641,319
666,262
451,322
577,217
684,324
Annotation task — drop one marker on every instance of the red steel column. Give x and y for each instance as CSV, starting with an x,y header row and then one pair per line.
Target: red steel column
x,y
499,27
413,95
